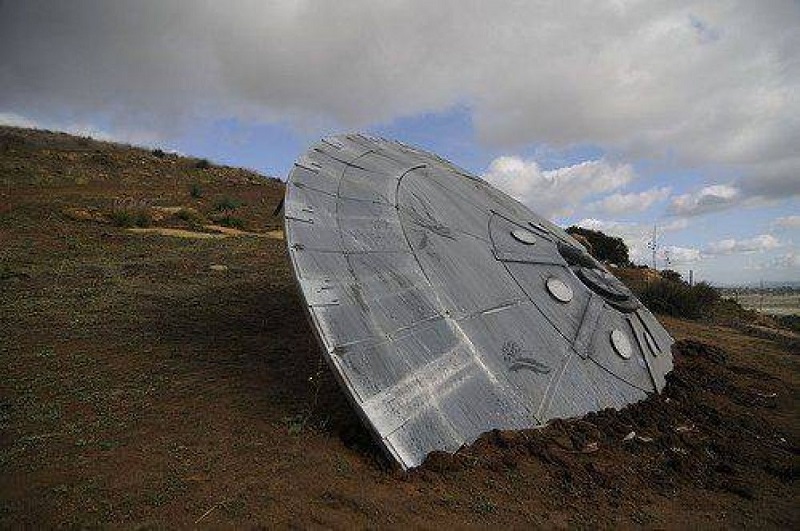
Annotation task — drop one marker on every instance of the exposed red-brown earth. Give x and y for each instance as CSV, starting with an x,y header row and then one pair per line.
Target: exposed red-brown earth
x,y
150,380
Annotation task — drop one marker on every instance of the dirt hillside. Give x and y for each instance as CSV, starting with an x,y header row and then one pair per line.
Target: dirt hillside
x,y
153,378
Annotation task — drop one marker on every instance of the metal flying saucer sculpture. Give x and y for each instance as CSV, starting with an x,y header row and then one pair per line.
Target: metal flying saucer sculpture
x,y
447,309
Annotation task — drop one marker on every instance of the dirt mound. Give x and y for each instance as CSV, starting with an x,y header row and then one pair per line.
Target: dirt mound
x,y
705,430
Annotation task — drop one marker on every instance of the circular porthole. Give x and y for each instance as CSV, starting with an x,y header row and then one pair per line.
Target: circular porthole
x,y
524,236
559,289
621,344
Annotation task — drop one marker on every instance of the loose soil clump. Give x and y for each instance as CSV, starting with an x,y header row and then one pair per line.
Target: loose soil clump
x,y
708,429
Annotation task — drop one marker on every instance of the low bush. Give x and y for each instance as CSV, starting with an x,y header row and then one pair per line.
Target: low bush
x,y
190,216
669,274
792,322
227,203
678,298
131,217
196,191
608,249
233,222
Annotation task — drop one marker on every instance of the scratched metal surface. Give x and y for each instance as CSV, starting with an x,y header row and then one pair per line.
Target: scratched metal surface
x,y
447,309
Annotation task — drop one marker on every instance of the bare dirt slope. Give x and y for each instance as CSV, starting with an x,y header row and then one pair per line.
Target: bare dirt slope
x,y
143,387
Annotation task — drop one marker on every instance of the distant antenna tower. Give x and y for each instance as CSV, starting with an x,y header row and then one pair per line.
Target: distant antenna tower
x,y
653,245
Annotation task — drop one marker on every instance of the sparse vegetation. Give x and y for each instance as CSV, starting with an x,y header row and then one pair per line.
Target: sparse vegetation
x,y
678,298
6,273
792,322
231,221
483,506
342,466
128,217
669,274
191,216
46,352
295,424
227,203
203,164
196,191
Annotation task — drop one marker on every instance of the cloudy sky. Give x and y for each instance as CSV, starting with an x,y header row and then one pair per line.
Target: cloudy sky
x,y
613,115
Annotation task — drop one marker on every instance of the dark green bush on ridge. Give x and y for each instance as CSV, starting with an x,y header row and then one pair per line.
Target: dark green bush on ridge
x,y
605,248
679,299
669,274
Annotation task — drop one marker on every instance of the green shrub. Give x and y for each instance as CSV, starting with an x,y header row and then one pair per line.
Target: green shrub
x,y
296,423
669,274
728,311
609,249
679,298
203,164
483,506
792,322
122,218
227,203
131,218
190,216
196,191
158,153
231,221
143,218
6,273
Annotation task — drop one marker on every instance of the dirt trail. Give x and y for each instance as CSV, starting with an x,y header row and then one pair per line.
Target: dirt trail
x,y
216,232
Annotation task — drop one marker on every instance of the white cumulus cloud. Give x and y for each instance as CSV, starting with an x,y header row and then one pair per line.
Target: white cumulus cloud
x,y
622,203
138,137
677,255
787,222
557,192
708,199
762,242
696,82
15,120
790,260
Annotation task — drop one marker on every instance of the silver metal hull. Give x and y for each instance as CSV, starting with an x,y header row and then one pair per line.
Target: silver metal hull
x,y
448,309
